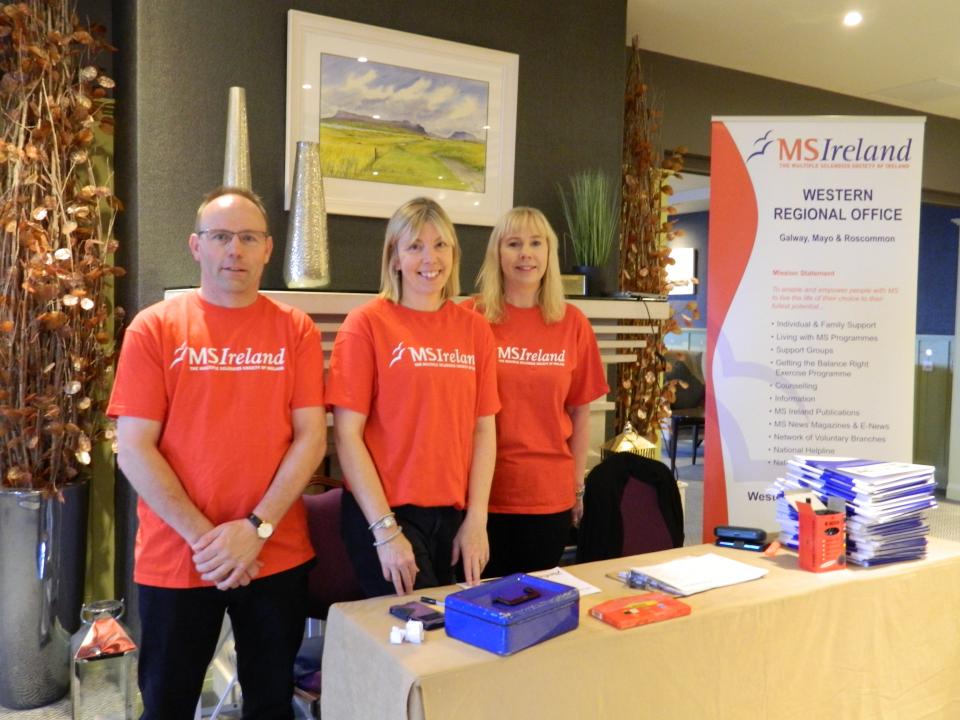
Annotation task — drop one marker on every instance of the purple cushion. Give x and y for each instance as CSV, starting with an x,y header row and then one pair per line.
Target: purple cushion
x,y
332,579
644,529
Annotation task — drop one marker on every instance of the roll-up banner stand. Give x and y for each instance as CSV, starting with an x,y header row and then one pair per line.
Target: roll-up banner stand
x,y
811,307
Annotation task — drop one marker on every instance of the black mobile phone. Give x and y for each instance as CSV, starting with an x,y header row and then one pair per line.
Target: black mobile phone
x,y
430,617
736,532
515,597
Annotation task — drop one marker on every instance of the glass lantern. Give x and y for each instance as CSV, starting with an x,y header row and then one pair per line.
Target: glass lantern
x,y
103,682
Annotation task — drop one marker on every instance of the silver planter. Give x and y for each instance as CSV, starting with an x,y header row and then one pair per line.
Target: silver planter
x,y
42,556
306,259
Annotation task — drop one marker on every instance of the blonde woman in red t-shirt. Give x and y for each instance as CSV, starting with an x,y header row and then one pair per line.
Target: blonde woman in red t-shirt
x,y
413,387
548,372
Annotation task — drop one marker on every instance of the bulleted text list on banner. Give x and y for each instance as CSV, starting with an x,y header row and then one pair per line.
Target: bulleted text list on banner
x,y
811,304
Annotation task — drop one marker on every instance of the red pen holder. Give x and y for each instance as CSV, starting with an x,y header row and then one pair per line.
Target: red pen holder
x,y
823,539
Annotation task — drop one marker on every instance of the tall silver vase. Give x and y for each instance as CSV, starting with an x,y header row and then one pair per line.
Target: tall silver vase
x,y
306,260
236,155
42,556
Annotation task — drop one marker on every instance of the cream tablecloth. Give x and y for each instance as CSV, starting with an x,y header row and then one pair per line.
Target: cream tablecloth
x,y
864,644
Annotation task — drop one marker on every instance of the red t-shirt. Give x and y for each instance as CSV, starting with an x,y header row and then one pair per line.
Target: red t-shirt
x,y
422,379
541,370
223,381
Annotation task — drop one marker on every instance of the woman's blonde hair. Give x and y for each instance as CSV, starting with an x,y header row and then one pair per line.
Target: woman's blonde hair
x,y
490,278
407,221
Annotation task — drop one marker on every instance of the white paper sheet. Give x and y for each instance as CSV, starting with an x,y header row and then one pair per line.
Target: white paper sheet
x,y
696,573
560,575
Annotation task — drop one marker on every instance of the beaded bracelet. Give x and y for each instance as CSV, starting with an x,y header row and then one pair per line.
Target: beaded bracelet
x,y
397,534
382,522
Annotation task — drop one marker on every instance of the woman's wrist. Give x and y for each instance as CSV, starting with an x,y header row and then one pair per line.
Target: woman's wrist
x,y
474,514
385,531
387,520
388,537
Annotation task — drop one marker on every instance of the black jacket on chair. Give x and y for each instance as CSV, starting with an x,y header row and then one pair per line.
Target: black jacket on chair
x,y
601,529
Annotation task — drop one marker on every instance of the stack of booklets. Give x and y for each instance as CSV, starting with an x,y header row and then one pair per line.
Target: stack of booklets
x,y
886,504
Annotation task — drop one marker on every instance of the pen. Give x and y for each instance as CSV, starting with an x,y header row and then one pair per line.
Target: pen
x,y
431,601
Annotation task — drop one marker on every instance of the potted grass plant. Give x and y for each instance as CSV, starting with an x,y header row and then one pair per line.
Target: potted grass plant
x,y
592,213
56,331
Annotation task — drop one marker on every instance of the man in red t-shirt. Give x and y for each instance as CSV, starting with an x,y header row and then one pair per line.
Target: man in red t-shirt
x,y
221,423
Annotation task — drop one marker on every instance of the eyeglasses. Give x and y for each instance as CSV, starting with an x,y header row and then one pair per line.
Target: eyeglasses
x,y
248,238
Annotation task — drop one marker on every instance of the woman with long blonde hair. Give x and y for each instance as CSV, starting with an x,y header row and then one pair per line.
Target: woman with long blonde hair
x,y
548,372
413,386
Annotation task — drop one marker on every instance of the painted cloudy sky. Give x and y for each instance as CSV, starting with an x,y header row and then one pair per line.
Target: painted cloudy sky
x,y
442,104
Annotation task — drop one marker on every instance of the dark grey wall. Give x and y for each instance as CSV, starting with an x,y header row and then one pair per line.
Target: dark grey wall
x,y
693,92
179,57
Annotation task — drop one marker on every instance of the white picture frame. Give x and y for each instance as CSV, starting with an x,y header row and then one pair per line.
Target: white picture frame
x,y
310,36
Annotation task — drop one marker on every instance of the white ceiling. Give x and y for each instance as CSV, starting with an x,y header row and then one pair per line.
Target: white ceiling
x,y
905,53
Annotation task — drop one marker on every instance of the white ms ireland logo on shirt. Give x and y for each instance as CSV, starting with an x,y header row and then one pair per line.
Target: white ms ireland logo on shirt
x,y
211,359
432,357
513,355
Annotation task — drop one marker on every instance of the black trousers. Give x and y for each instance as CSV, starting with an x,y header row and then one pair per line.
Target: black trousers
x,y
430,530
180,629
523,543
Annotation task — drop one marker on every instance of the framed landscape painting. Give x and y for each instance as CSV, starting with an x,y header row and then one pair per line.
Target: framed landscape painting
x,y
399,115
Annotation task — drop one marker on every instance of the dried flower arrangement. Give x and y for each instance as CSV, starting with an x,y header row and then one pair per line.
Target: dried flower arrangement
x,y
56,271
643,397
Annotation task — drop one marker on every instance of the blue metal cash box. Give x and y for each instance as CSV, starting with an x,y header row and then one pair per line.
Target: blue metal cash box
x,y
512,613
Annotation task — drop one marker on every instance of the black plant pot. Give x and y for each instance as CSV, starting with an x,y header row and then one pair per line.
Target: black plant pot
x,y
596,280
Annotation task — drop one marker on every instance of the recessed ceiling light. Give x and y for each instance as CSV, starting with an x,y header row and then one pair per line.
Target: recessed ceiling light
x,y
307,86
852,18
361,59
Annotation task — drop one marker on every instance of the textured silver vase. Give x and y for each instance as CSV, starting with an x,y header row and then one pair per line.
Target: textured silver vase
x,y
306,260
42,555
236,156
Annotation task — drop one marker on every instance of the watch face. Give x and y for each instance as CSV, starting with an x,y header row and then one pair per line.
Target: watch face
x,y
264,529
388,522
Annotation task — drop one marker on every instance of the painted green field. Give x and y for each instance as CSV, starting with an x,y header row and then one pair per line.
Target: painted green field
x,y
355,150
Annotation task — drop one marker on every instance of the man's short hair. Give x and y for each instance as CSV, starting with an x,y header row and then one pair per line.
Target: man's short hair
x,y
230,190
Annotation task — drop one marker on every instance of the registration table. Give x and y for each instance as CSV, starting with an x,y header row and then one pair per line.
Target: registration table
x,y
857,643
